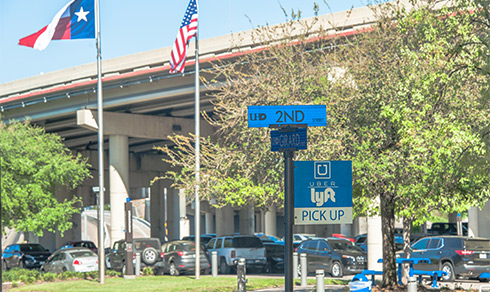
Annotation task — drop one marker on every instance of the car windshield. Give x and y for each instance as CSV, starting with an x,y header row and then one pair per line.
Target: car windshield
x,y
477,244
84,244
32,247
188,246
82,254
343,245
251,241
274,248
141,244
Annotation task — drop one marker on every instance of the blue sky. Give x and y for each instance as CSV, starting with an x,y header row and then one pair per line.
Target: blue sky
x,y
129,27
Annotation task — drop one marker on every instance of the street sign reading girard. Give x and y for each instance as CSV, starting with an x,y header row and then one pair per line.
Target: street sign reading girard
x,y
283,115
322,192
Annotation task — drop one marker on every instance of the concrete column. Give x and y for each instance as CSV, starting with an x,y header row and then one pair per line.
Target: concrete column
x,y
270,221
473,222
224,221
452,217
310,229
483,219
259,219
209,218
157,209
119,183
74,233
247,220
346,229
184,222
173,214
374,243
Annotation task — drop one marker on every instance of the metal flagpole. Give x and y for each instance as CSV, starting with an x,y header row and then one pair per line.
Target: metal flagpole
x,y
197,218
100,111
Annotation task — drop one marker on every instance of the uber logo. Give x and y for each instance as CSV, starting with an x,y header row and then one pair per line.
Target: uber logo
x,y
322,170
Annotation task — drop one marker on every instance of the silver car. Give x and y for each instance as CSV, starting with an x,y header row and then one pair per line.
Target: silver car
x,y
75,259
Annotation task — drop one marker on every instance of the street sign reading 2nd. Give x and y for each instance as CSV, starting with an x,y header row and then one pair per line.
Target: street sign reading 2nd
x,y
281,115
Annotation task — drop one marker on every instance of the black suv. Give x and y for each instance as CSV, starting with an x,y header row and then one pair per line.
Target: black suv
x,y
25,255
458,256
149,248
336,256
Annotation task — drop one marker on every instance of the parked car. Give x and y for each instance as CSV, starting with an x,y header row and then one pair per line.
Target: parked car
x,y
361,241
179,257
339,235
269,238
74,259
444,228
24,255
230,248
335,256
82,243
275,257
458,256
149,248
205,238
298,238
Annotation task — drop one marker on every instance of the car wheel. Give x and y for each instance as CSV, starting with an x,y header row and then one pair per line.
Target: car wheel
x,y
173,269
159,272
299,270
149,256
4,266
448,268
223,267
336,270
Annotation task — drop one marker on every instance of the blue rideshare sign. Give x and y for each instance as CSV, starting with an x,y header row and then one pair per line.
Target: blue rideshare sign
x,y
322,192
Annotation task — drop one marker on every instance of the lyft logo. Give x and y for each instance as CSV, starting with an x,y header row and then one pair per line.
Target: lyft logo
x,y
321,197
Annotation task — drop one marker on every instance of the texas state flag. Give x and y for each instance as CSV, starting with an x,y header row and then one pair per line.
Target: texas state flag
x,y
74,21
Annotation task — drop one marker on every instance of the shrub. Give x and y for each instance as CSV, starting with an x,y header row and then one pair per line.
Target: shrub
x,y
147,271
48,277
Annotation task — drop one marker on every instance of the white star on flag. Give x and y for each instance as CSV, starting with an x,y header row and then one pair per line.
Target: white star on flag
x,y
82,14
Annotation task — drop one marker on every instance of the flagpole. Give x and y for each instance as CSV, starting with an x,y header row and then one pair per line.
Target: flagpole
x,y
197,215
100,115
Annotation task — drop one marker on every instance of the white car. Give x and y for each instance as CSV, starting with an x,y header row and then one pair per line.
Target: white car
x,y
75,259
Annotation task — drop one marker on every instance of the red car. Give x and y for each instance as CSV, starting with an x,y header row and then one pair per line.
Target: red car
x,y
339,235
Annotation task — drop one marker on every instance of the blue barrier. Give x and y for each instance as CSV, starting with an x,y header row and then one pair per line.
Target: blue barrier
x,y
434,274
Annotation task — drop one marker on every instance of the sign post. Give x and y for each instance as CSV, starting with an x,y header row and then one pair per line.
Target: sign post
x,y
292,121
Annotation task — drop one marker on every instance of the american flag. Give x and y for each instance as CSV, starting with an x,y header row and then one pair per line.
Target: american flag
x,y
187,30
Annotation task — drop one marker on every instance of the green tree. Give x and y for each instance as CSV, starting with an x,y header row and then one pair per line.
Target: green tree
x,y
33,163
417,121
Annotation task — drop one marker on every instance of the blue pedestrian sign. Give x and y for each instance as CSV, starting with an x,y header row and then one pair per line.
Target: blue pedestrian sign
x,y
296,139
275,116
322,192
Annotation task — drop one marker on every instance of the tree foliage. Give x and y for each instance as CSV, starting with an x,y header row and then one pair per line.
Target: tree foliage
x,y
33,164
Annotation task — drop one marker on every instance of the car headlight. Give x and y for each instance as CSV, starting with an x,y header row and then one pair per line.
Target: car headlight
x,y
351,258
29,258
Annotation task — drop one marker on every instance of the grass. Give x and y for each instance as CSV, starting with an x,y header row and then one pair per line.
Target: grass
x,y
162,283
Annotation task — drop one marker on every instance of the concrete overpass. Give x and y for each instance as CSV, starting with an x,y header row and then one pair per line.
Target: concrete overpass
x,y
143,104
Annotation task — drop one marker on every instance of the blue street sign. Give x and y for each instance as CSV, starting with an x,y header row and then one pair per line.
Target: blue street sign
x,y
279,115
290,140
322,192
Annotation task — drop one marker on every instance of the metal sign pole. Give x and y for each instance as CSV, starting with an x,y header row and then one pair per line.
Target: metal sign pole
x,y
289,218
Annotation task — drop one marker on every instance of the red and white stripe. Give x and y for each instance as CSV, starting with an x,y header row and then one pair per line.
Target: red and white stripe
x,y
41,39
179,49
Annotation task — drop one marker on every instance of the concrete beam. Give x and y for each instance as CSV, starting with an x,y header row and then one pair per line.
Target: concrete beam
x,y
140,126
